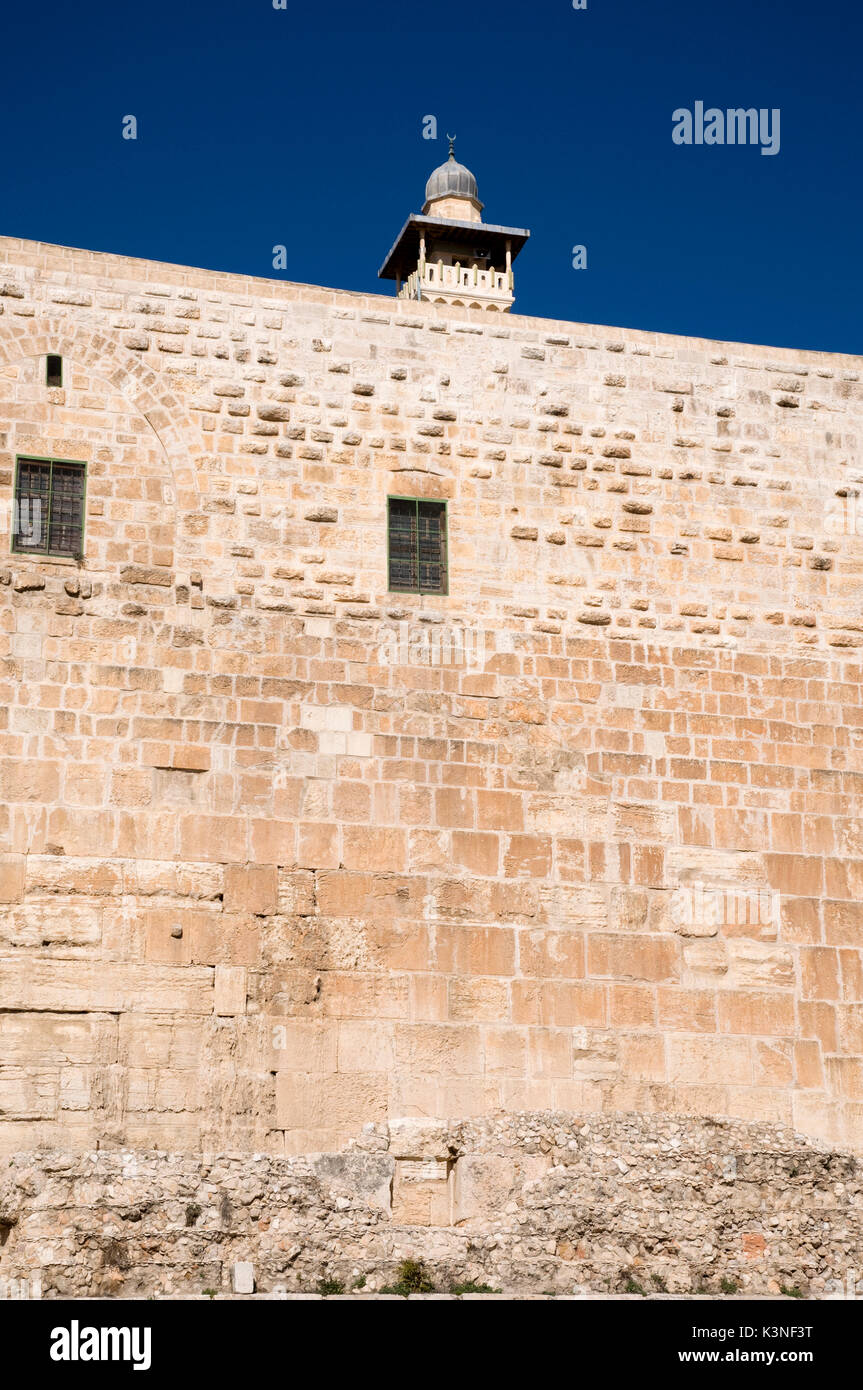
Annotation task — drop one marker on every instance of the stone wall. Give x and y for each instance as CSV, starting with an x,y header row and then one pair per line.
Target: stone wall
x,y
528,1204
282,853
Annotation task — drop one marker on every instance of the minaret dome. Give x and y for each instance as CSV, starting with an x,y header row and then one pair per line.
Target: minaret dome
x,y
452,192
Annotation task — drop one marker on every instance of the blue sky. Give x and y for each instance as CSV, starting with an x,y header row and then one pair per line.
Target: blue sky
x,y
303,127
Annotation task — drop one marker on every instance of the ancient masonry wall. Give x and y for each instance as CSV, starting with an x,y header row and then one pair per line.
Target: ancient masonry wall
x,y
526,1204
282,853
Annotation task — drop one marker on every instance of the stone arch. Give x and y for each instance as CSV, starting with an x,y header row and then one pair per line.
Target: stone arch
x,y
138,383
129,495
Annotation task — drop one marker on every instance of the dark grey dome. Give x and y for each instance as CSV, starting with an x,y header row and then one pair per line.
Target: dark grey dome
x,y
452,180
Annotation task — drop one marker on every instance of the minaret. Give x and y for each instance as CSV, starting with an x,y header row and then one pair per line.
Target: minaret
x,y
448,255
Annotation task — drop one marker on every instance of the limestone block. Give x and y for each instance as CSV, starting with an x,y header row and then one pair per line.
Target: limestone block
x,y
230,990
364,1176
12,878
299,1045
318,846
62,874
295,892
55,921
243,1276
365,1047
505,1051
438,1049
29,1094
340,1102
329,718
418,1137
756,1012
79,985
76,1088
475,1000
146,1040
751,963
422,1193
483,1184
72,1133
44,1039
700,1060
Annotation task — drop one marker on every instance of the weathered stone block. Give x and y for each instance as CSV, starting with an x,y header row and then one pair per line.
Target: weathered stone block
x,y
230,989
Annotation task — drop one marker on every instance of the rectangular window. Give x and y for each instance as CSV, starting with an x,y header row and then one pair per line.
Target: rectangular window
x,y
48,514
417,539
53,371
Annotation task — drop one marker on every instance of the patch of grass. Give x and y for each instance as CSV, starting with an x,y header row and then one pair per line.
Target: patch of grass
x,y
359,1282
414,1274
632,1287
659,1283
729,1285
328,1287
211,1293
792,1292
471,1287
413,1277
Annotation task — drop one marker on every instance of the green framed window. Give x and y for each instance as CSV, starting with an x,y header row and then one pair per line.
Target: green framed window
x,y
417,546
48,512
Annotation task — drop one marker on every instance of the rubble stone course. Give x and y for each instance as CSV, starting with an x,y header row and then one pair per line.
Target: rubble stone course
x,y
525,1204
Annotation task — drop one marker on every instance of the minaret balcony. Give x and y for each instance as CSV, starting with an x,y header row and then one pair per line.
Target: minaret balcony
x,y
458,284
